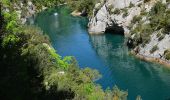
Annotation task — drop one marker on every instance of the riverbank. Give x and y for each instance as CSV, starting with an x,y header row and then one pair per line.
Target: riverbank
x,y
76,13
151,59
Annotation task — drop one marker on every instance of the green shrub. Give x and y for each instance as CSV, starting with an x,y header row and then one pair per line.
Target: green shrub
x,y
6,3
125,12
161,37
136,19
131,5
10,40
158,18
81,5
11,18
116,11
158,35
158,8
154,48
143,12
110,8
143,32
117,93
167,54
168,1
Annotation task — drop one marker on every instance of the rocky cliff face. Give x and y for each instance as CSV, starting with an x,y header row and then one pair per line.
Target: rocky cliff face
x,y
23,9
144,22
114,13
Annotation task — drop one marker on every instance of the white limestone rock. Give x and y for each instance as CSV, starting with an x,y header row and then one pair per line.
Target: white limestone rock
x,y
103,19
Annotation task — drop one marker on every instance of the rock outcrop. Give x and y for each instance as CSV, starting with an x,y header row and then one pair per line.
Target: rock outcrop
x,y
23,9
113,13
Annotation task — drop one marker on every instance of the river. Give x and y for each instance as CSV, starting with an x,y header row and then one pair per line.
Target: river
x,y
107,53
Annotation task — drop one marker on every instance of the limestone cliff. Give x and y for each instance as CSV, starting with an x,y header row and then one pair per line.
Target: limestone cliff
x,y
145,23
111,13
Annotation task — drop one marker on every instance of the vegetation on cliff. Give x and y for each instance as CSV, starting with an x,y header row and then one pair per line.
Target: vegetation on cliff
x,y
83,5
147,23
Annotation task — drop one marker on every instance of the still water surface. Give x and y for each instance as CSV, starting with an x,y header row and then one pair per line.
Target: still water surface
x,y
106,53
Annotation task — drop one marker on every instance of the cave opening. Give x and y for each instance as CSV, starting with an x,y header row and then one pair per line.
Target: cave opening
x,y
115,29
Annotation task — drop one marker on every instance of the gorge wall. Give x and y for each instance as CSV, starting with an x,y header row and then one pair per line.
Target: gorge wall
x,y
145,23
110,13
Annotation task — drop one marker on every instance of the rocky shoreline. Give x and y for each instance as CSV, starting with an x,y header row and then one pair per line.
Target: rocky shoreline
x,y
151,59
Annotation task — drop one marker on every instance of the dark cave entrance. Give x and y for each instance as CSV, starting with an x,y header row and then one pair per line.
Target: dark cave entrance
x,y
115,29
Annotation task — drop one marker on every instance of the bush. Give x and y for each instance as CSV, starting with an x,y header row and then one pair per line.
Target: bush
x,y
10,40
154,48
125,12
158,18
167,54
143,32
161,37
81,5
136,19
116,11
131,5
158,8
158,35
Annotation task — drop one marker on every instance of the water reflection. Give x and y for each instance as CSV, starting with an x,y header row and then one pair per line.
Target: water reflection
x,y
130,73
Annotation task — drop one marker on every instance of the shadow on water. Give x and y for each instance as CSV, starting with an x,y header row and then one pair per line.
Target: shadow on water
x,y
106,53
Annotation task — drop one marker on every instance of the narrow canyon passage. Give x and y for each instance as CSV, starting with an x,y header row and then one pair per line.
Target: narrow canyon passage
x,y
106,53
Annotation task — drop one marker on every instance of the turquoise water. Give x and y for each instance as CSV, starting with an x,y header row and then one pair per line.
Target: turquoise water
x,y
106,53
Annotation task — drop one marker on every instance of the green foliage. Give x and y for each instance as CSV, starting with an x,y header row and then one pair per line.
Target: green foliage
x,y
161,37
154,48
81,5
11,18
167,54
63,63
47,3
125,12
110,8
6,3
131,5
142,34
136,19
116,11
168,1
118,94
158,19
143,12
10,40
158,8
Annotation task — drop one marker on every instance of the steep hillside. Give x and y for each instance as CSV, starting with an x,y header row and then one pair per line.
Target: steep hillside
x,y
145,23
